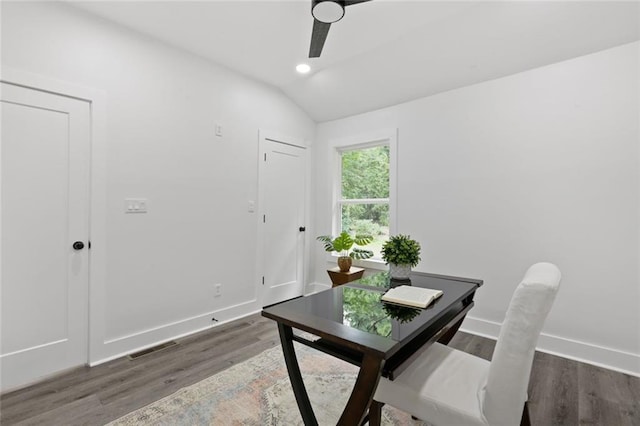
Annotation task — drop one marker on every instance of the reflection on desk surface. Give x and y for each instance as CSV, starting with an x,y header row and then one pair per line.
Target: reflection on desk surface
x,y
363,311
380,280
357,306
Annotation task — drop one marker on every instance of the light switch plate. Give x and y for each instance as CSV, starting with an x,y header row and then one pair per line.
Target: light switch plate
x,y
135,205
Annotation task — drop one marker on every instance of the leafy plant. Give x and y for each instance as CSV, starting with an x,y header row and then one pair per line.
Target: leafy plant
x,y
401,250
343,244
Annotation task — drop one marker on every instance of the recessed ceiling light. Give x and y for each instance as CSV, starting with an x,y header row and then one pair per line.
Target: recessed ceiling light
x,y
303,68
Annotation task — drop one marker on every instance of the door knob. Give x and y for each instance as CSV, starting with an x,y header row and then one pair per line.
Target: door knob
x,y
78,245
302,229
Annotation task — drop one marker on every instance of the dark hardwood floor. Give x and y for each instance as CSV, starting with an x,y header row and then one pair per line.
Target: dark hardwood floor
x,y
561,391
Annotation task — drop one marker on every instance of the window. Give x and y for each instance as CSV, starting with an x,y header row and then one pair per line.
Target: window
x,y
364,191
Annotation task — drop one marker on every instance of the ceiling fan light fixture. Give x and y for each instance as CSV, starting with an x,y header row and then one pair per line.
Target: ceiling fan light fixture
x,y
327,11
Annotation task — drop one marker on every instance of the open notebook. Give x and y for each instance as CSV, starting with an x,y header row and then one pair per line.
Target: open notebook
x,y
411,296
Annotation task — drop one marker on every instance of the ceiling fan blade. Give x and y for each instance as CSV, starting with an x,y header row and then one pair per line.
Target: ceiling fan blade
x,y
352,2
318,37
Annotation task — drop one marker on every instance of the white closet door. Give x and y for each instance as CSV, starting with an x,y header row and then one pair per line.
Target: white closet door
x,y
45,198
282,187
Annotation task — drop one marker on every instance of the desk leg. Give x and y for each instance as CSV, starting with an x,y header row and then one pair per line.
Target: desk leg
x,y
448,335
363,391
304,405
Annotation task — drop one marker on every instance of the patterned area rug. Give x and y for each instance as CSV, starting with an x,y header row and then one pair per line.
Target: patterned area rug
x,y
258,392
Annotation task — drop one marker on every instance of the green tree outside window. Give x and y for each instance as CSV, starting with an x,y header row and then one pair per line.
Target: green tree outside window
x,y
364,204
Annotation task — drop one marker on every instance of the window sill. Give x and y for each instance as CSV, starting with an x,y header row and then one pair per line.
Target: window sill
x,y
376,264
371,264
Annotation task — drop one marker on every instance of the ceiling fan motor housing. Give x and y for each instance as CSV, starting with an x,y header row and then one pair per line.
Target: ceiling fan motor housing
x,y
327,11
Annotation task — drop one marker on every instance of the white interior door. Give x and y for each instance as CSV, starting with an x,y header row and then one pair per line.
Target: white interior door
x,y
282,190
45,195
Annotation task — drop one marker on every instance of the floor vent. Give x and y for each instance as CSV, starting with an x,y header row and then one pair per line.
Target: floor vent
x,y
153,349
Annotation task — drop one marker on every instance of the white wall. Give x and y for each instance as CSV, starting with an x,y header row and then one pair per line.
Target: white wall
x,y
542,165
538,166
161,106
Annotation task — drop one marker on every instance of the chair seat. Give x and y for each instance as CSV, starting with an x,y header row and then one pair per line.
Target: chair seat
x,y
442,387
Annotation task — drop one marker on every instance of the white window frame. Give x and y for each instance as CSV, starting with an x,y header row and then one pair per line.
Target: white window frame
x,y
377,138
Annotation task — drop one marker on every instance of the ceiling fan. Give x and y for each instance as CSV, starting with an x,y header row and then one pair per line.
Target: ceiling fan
x,y
326,12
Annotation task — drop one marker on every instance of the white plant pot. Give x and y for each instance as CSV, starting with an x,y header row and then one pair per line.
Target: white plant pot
x,y
399,272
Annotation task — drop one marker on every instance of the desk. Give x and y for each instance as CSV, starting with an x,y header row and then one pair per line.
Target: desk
x,y
351,323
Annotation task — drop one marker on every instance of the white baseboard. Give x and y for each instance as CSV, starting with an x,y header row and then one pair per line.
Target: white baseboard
x,y
125,345
600,356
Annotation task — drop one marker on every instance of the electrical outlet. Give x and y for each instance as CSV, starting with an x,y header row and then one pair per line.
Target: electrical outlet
x,y
217,290
135,205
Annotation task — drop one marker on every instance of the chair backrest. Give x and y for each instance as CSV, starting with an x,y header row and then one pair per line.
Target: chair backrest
x,y
506,389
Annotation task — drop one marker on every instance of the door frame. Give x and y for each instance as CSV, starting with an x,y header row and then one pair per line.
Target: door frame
x,y
97,192
263,136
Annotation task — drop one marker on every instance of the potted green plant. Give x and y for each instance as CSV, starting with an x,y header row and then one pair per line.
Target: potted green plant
x,y
401,253
344,245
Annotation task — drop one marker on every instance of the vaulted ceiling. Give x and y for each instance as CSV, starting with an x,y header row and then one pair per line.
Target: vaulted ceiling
x,y
382,52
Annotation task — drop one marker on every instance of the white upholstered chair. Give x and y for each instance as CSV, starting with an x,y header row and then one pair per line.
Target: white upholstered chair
x,y
447,387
